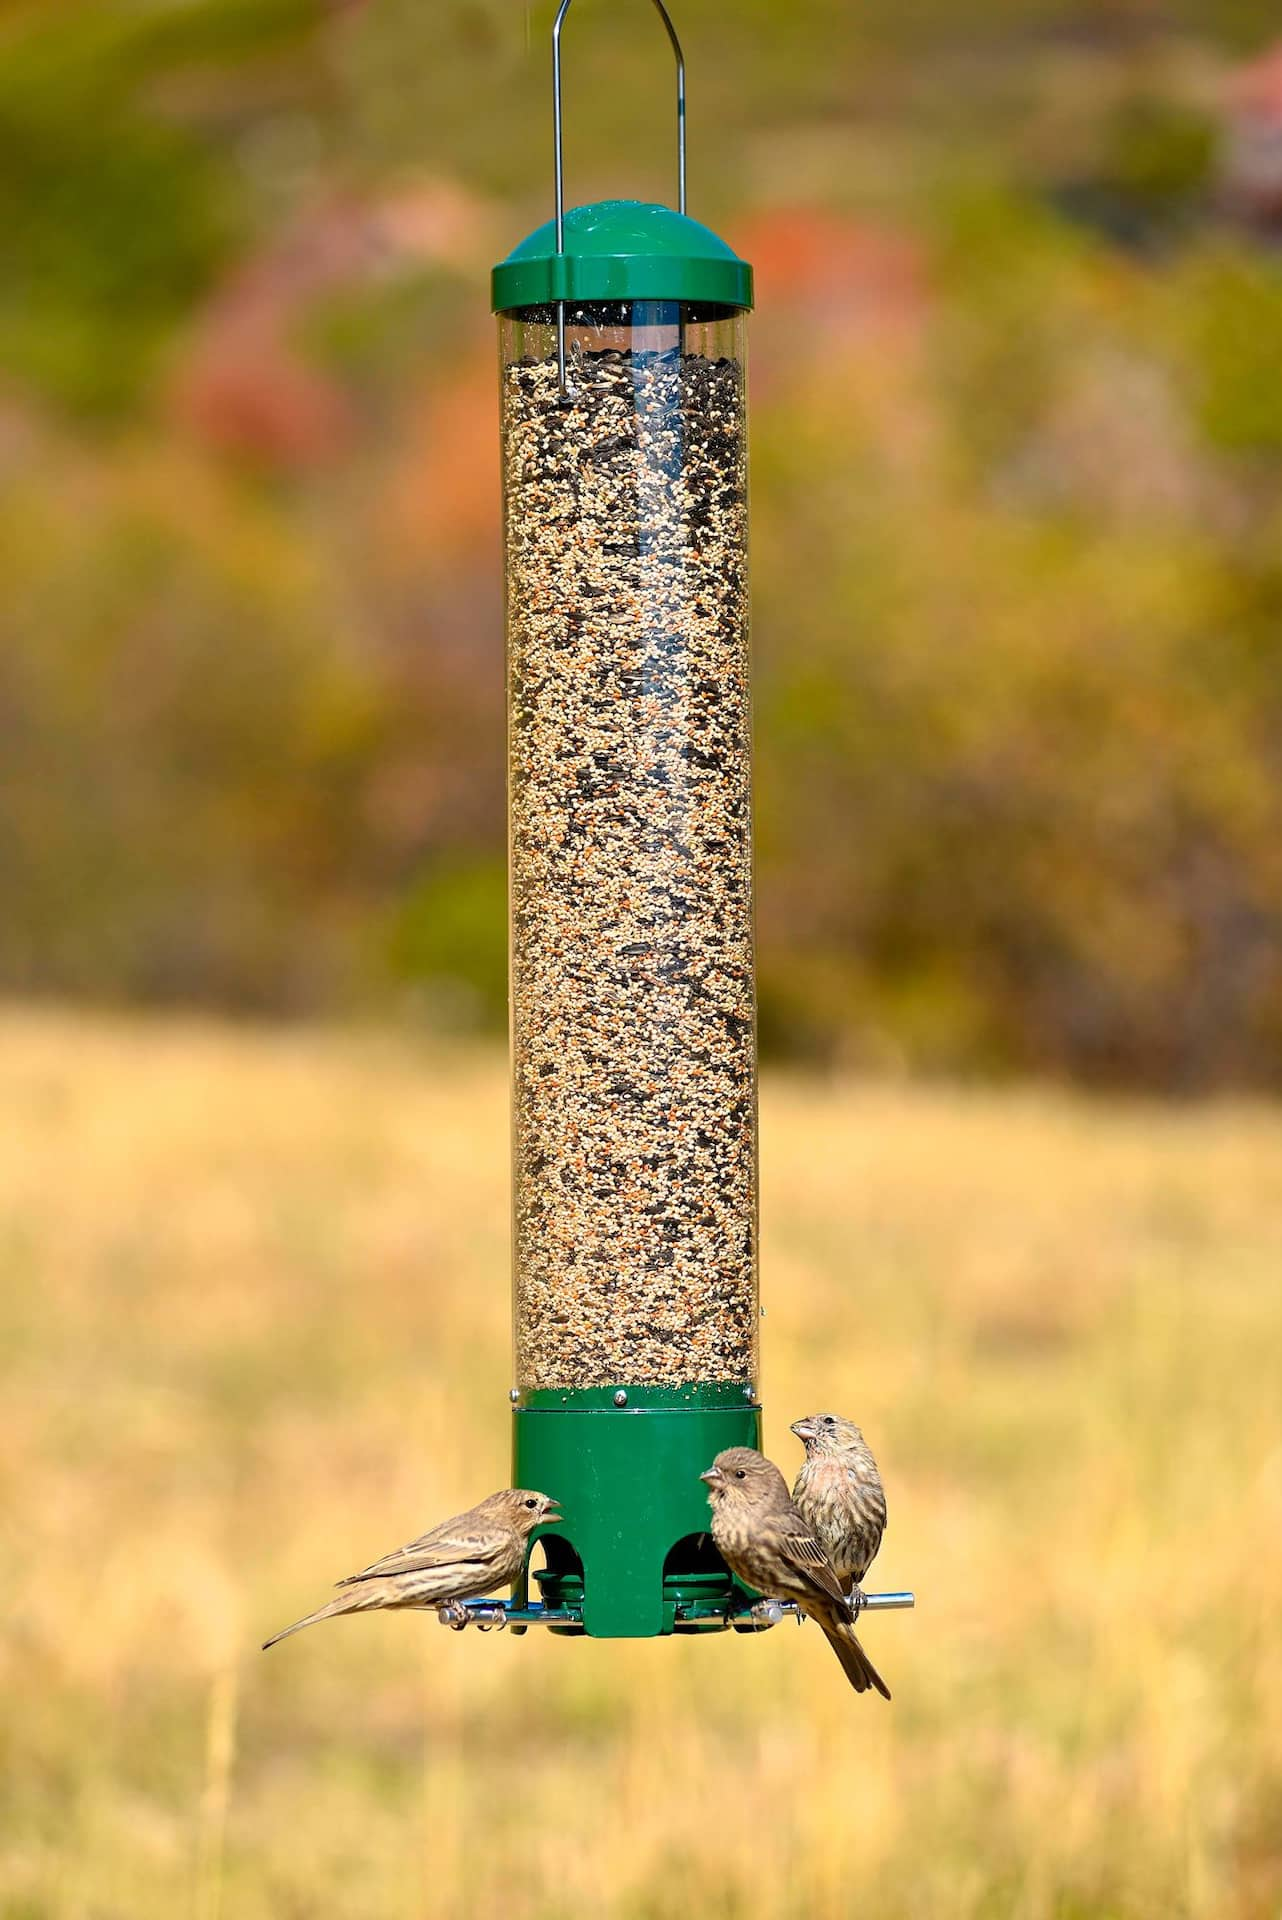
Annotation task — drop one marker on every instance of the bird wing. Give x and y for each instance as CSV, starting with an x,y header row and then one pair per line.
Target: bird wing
x,y
870,1493
810,1560
454,1543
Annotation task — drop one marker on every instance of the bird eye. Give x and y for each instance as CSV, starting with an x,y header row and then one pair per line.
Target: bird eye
x,y
739,1474
829,1421
531,1503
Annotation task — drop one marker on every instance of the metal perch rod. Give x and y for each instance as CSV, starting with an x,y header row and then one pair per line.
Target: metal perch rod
x,y
756,1617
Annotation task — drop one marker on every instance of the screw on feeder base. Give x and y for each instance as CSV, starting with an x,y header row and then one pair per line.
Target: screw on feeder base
x,y
620,1398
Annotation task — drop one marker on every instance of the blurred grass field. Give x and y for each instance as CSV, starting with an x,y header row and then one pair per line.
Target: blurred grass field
x,y
253,1330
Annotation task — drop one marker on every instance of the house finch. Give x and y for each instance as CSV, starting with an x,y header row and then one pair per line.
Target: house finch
x,y
765,1541
840,1493
459,1560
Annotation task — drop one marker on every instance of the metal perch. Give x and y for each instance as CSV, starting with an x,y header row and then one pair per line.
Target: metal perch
x,y
755,1616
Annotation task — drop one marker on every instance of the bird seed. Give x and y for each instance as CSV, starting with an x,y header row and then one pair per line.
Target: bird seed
x,y
633,1005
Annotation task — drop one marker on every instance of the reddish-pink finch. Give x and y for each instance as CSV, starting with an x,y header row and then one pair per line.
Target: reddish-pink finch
x,y
839,1492
767,1543
459,1560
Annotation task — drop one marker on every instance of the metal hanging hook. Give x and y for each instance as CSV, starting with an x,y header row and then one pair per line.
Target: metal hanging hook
x,y
559,157
680,59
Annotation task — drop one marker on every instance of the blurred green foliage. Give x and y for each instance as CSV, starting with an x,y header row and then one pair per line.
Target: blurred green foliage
x,y
1017,443
117,214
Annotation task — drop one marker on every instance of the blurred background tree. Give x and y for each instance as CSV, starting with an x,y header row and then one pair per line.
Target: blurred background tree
x,y
1017,497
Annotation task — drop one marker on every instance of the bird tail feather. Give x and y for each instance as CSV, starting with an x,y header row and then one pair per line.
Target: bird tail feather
x,y
855,1664
357,1602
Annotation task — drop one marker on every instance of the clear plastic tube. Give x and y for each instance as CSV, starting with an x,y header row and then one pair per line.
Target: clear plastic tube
x,y
629,739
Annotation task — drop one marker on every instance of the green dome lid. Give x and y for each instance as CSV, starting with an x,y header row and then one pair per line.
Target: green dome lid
x,y
622,250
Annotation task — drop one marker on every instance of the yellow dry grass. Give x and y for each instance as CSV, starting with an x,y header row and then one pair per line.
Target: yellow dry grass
x,y
254,1329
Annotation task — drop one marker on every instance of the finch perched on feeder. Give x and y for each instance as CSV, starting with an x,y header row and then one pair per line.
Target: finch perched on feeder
x,y
767,1543
459,1560
839,1491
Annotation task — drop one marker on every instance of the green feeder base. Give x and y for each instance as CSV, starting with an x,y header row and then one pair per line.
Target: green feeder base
x,y
632,1558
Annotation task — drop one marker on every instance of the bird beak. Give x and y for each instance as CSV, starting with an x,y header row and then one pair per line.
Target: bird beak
x,y
802,1429
713,1476
553,1513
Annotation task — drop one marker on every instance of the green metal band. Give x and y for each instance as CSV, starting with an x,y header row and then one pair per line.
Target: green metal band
x,y
622,250
683,1398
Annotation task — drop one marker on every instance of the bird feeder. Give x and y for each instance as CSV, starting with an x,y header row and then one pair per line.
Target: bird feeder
x,y
633,1025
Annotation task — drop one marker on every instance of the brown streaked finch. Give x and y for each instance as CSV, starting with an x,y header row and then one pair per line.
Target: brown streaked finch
x,y
839,1492
768,1545
461,1559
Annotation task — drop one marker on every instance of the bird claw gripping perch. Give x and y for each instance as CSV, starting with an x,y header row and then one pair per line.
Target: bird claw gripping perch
x,y
766,1613
488,1615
